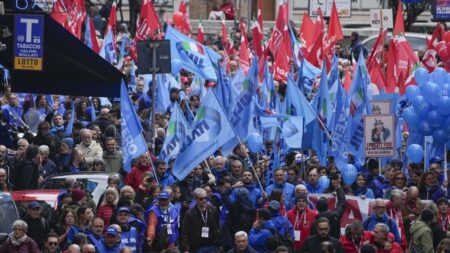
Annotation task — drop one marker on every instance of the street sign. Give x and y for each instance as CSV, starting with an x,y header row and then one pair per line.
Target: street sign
x,y
381,18
28,42
343,7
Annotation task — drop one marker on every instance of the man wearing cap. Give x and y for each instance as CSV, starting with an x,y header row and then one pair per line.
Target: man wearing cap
x,y
131,236
421,234
78,199
111,243
38,226
302,219
201,226
379,133
162,228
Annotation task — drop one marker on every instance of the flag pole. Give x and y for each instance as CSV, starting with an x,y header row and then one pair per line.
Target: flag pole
x,y
425,154
153,167
209,170
445,163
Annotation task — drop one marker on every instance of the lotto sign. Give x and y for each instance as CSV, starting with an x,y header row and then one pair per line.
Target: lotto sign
x,y
28,42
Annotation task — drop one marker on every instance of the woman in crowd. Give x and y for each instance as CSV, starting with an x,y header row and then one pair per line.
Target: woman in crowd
x,y
398,182
109,205
359,187
77,162
428,185
18,241
62,229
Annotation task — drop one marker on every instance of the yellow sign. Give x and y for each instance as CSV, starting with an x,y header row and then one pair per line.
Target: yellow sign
x,y
28,63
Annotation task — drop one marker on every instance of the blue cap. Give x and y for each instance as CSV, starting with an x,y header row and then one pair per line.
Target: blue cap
x,y
112,231
34,205
164,195
436,159
123,209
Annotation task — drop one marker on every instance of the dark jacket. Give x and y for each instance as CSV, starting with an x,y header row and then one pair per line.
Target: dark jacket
x,y
28,246
311,244
334,216
37,230
191,238
248,250
27,175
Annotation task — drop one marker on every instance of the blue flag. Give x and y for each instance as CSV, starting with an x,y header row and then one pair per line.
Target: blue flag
x,y
226,94
237,80
69,126
133,143
306,76
292,130
359,106
190,55
198,86
188,114
209,131
301,105
91,110
163,94
295,48
108,51
267,90
176,132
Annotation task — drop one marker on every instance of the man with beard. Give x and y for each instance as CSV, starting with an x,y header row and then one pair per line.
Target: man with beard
x,y
311,243
285,187
256,197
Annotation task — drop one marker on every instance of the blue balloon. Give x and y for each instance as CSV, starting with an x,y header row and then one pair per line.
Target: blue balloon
x,y
444,105
435,119
255,142
412,91
324,182
421,75
349,174
411,117
440,136
425,128
421,106
415,153
439,75
445,90
431,93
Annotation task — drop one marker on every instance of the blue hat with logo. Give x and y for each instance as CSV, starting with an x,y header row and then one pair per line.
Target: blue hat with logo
x,y
112,231
164,195
123,209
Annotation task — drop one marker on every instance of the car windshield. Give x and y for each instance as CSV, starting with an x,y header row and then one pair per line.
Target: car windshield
x,y
8,215
59,183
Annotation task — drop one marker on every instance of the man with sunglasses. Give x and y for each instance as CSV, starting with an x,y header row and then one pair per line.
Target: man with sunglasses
x,y
51,244
380,215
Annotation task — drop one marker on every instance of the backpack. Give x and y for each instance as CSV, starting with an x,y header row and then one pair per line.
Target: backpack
x,y
283,241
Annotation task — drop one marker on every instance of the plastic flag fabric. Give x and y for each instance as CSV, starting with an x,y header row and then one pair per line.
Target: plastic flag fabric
x,y
133,143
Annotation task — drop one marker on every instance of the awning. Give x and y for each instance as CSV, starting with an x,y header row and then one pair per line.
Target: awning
x,y
69,67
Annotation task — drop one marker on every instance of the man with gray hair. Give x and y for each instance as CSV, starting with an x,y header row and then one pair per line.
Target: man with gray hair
x,y
378,216
201,223
380,238
90,148
241,243
88,248
48,167
393,209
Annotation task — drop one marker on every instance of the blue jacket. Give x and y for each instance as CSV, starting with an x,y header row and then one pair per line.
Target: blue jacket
x,y
166,180
254,194
370,222
369,194
379,186
130,238
257,238
169,219
102,248
283,225
288,193
314,189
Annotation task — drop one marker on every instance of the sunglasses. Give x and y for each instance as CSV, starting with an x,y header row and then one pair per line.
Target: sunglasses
x,y
52,243
203,198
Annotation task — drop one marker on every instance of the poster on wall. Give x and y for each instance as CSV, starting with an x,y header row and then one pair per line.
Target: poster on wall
x,y
343,7
381,107
379,133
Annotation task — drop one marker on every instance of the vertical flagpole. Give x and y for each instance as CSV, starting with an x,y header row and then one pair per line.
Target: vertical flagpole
x,y
209,170
425,168
153,169
445,163
153,45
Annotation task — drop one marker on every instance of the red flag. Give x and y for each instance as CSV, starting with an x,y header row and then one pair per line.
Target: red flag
x,y
93,35
429,58
148,22
59,11
281,64
401,84
306,34
243,31
334,27
76,17
244,56
259,18
276,38
200,33
377,76
187,23
391,68
319,25
225,38
347,80
405,56
112,20
399,23
377,48
315,57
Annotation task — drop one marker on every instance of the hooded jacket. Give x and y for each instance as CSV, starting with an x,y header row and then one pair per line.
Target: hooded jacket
x,y
257,238
421,238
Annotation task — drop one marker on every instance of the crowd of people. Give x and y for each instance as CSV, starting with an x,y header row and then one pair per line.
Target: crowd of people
x,y
234,203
